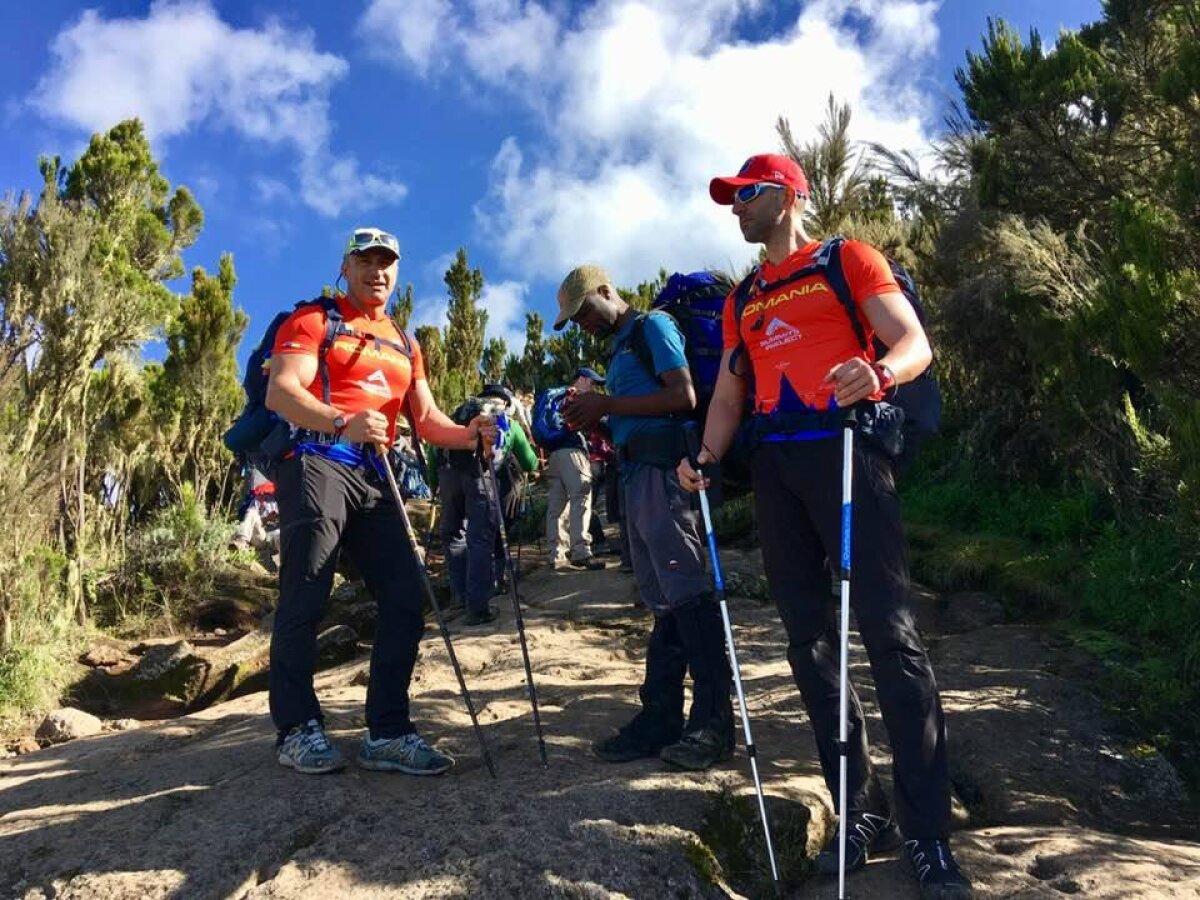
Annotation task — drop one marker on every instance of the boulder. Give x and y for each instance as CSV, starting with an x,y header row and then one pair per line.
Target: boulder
x,y
104,653
67,724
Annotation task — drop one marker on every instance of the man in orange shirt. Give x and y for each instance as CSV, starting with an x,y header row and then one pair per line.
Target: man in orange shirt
x,y
342,398
795,338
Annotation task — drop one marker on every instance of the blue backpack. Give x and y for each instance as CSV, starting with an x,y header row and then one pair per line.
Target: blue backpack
x,y
549,429
696,301
258,434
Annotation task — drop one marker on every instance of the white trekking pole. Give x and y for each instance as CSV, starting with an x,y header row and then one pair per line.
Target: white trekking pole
x,y
844,690
692,434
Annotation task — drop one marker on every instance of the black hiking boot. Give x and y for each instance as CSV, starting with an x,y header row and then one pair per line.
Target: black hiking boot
x,y
866,833
699,750
933,865
633,741
478,617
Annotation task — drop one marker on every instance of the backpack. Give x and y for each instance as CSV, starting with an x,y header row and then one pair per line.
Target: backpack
x,y
549,429
696,301
257,433
920,400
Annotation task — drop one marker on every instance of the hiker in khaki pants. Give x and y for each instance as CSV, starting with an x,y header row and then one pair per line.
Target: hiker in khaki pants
x,y
569,477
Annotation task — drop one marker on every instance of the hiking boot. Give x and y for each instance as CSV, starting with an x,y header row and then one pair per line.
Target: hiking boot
x,y
481,617
306,749
409,754
589,563
699,750
629,743
866,833
561,565
933,865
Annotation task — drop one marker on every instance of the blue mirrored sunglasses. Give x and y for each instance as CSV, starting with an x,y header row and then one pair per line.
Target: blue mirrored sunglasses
x,y
365,238
748,192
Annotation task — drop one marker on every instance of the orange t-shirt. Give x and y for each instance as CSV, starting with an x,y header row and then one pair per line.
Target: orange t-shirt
x,y
362,374
796,333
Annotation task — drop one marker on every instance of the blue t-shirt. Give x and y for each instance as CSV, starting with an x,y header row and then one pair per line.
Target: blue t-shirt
x,y
627,377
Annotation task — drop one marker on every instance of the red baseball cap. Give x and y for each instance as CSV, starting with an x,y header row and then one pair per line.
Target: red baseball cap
x,y
772,167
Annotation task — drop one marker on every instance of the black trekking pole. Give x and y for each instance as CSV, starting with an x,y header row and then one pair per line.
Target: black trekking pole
x,y
692,433
844,668
431,598
516,599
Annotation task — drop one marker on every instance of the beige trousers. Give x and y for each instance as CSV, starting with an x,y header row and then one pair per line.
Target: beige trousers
x,y
568,504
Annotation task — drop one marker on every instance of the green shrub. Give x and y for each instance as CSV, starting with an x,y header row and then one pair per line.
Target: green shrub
x,y
40,635
169,566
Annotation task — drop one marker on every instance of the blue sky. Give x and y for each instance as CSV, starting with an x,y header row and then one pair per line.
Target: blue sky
x,y
537,133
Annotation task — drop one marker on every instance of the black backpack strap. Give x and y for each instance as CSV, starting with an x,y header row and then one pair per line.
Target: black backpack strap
x,y
829,260
641,347
335,324
741,296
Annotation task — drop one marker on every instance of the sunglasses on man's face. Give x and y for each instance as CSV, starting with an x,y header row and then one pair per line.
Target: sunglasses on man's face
x,y
749,192
371,237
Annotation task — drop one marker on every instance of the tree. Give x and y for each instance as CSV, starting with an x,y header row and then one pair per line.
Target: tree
x,y
838,177
492,364
400,308
525,372
80,285
466,324
197,393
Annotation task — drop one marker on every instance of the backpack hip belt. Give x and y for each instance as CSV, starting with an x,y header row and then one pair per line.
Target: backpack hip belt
x,y
661,447
763,425
308,436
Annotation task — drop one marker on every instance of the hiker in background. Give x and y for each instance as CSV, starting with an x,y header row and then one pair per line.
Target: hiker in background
x,y
469,528
568,477
600,452
786,328
664,538
258,527
341,390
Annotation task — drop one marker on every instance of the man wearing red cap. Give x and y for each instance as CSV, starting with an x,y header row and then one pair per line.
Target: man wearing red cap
x,y
788,329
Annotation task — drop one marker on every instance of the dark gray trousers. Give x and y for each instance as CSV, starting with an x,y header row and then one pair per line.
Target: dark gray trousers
x,y
324,506
798,499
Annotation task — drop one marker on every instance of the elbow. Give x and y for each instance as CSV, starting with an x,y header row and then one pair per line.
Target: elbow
x,y
271,400
687,398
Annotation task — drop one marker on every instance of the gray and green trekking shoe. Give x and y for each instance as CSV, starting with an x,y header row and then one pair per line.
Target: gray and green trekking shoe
x,y
408,754
306,749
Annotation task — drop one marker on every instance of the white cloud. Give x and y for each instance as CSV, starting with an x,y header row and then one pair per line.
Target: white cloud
x,y
498,39
505,305
645,100
182,67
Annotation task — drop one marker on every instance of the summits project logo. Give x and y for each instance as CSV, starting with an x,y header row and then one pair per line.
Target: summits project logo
x,y
779,334
376,383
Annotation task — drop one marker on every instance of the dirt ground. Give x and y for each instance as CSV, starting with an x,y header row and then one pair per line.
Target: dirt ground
x,y
1051,802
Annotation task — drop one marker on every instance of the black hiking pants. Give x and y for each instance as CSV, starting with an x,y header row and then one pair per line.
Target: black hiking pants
x,y
323,506
798,498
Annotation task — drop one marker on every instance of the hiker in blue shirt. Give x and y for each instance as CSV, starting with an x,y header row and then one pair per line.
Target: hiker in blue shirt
x,y
665,544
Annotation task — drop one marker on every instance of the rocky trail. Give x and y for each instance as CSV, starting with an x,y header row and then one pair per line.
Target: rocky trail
x,y
1051,801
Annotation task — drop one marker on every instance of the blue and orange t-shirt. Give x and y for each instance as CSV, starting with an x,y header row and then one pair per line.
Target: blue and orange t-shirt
x,y
363,373
795,333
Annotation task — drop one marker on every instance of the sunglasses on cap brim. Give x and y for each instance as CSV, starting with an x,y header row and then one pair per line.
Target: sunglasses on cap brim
x,y
365,238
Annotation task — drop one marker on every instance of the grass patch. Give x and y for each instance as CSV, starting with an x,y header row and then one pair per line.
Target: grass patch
x,y
1125,591
733,847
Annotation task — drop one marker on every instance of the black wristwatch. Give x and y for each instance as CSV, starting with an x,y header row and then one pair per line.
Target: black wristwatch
x,y
339,424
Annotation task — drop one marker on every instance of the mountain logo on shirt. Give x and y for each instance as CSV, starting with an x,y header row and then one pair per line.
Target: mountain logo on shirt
x,y
376,383
779,334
